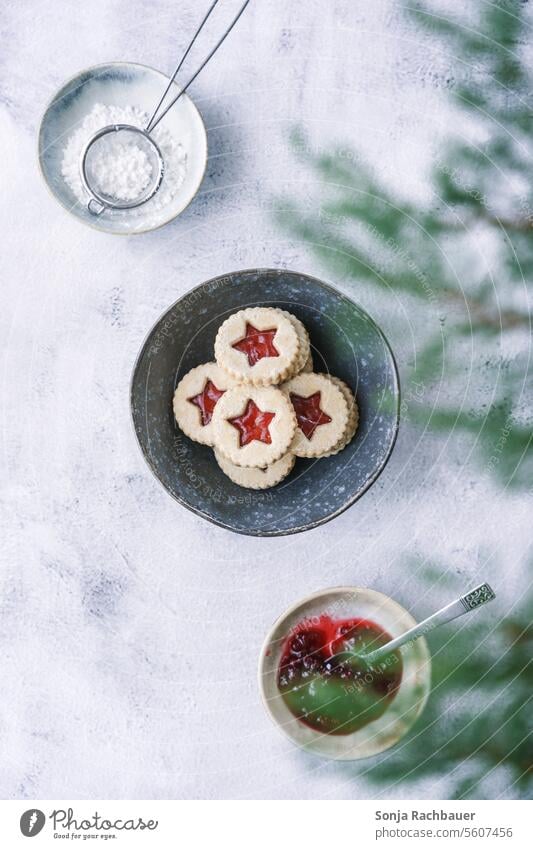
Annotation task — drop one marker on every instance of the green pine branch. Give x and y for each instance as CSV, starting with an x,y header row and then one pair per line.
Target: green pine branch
x,y
476,728
362,232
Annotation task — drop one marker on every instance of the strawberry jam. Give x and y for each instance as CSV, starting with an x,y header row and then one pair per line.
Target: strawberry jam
x,y
206,400
253,424
324,681
308,413
257,344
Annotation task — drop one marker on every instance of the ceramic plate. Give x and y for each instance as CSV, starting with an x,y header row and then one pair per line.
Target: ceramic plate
x,y
345,341
120,84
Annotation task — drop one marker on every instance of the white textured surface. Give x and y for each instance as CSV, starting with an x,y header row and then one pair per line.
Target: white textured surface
x,y
129,628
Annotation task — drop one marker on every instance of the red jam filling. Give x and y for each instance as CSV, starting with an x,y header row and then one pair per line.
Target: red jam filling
x,y
253,424
207,400
324,681
308,413
257,344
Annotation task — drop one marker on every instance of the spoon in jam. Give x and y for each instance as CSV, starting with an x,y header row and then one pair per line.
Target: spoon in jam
x,y
465,604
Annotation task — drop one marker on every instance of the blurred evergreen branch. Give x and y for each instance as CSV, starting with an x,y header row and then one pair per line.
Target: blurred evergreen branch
x,y
476,727
363,233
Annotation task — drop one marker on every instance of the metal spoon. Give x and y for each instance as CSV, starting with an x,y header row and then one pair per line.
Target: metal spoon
x,y
465,604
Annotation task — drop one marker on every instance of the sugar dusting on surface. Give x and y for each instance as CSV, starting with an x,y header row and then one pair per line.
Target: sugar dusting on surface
x,y
123,170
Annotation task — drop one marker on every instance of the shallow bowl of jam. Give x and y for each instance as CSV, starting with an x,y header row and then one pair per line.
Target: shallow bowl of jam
x,y
317,687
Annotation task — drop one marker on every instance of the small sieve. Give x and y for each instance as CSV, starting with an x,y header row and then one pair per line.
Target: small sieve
x,y
125,133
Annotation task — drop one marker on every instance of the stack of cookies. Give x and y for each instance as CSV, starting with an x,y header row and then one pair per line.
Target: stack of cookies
x,y
260,405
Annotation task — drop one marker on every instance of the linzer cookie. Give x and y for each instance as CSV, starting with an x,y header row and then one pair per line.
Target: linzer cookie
x,y
196,397
321,412
353,417
258,345
304,357
253,425
308,365
260,404
346,391
256,478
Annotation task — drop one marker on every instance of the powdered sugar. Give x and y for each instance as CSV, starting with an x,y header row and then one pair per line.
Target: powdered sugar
x,y
123,170
120,170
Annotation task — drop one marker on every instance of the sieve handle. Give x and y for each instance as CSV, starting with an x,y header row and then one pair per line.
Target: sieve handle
x,y
95,207
153,122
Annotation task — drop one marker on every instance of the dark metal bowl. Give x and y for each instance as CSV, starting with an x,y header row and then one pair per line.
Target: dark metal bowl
x,y
345,342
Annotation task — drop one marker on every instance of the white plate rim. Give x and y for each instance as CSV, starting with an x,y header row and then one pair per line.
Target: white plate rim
x,y
51,101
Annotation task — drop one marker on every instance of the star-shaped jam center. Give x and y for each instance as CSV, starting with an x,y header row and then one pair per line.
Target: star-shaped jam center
x,y
206,400
257,344
308,413
253,424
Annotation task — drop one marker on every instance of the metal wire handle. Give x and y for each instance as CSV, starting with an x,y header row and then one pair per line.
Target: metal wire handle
x,y
153,122
470,601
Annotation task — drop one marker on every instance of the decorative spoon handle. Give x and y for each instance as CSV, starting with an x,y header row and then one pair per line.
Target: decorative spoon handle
x,y
470,601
